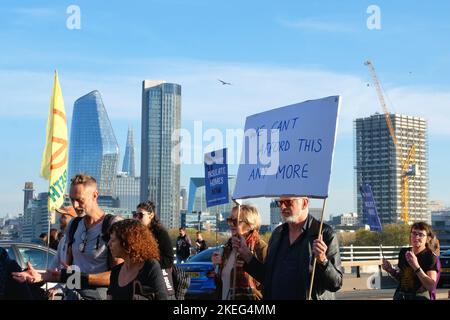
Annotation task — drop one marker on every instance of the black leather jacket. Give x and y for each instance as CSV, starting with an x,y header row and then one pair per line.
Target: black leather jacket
x,y
327,279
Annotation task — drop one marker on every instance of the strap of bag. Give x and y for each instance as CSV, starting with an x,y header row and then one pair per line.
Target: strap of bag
x,y
71,236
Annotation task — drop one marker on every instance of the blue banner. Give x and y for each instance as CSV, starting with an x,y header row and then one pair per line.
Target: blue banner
x,y
369,208
216,178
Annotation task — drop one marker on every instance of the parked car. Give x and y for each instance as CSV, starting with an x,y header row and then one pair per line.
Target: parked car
x,y
445,268
202,273
34,253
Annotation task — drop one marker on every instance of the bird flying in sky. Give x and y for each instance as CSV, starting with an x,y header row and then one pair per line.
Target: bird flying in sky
x,y
224,83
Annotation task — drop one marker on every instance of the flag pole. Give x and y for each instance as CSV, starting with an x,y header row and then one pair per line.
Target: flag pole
x,y
48,245
315,260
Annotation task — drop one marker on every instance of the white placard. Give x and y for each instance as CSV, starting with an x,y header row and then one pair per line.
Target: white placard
x,y
288,151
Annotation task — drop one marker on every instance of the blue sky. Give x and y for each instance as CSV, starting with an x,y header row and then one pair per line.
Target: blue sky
x,y
274,52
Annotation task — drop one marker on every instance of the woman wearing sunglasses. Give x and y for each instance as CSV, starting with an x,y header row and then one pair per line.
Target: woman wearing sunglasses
x,y
139,277
146,214
248,226
417,266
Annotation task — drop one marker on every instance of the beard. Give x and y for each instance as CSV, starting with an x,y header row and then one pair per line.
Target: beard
x,y
292,218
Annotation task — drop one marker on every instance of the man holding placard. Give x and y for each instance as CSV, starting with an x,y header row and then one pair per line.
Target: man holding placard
x,y
292,246
287,154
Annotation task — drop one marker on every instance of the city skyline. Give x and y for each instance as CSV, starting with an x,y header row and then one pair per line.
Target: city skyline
x,y
279,55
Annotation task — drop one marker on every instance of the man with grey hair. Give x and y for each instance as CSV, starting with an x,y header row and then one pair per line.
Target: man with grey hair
x,y
293,246
87,245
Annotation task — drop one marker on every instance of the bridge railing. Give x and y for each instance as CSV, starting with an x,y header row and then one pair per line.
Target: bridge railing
x,y
367,253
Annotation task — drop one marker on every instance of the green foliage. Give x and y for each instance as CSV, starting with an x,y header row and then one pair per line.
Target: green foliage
x,y
395,234
392,235
346,238
366,238
209,237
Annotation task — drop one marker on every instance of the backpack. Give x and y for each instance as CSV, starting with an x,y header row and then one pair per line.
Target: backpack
x,y
106,224
181,282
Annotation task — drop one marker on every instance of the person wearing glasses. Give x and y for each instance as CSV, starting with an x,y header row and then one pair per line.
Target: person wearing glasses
x,y
139,277
146,214
417,265
286,273
87,249
247,288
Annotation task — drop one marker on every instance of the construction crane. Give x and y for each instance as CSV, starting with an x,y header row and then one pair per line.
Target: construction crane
x,y
408,163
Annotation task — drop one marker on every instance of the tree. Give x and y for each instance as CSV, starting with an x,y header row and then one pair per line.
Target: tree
x,y
395,234
208,236
392,235
346,238
366,238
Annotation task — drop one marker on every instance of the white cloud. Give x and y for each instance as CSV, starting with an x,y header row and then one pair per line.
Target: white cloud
x,y
255,88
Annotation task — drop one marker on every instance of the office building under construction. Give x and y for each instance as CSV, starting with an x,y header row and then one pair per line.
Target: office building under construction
x,y
377,164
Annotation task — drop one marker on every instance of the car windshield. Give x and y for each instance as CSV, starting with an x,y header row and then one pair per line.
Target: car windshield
x,y
204,256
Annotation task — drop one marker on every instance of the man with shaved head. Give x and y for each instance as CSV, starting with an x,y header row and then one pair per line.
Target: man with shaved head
x,y
87,245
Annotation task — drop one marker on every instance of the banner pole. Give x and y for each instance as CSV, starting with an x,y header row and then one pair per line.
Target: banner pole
x,y
217,224
315,260
236,254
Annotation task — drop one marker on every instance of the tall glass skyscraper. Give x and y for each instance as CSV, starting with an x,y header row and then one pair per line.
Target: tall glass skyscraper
x,y
128,165
93,147
160,175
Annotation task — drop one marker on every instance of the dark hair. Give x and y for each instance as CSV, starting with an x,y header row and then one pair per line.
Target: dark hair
x,y
136,239
43,235
423,226
182,228
150,207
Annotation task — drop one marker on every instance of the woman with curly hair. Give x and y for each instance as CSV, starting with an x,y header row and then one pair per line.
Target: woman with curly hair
x,y
247,288
139,277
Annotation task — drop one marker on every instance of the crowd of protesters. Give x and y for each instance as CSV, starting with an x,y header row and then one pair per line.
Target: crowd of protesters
x,y
101,256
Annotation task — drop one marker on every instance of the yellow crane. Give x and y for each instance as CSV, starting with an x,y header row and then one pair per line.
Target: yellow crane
x,y
408,163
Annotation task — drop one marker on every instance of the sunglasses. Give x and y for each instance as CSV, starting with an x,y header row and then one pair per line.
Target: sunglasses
x,y
139,215
286,203
233,221
84,239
